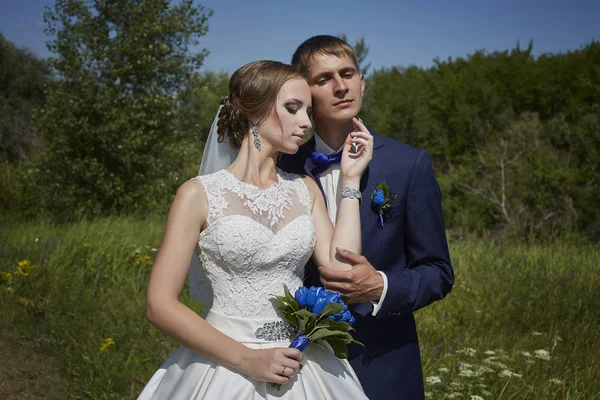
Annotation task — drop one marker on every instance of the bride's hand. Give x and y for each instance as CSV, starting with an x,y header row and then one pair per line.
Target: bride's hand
x,y
277,365
354,164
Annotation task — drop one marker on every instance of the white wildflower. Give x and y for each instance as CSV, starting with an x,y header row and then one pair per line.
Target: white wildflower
x,y
428,395
507,374
454,395
486,393
154,249
468,351
530,361
466,372
482,370
536,333
558,338
37,240
433,380
526,353
443,369
542,354
456,385
466,365
489,352
475,397
492,361
556,381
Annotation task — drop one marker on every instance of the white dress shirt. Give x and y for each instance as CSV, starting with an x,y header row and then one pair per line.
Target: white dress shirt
x,y
332,186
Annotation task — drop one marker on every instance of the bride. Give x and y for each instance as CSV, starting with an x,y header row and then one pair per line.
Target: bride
x,y
253,227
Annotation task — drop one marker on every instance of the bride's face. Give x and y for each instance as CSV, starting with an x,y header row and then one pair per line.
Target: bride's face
x,y
284,129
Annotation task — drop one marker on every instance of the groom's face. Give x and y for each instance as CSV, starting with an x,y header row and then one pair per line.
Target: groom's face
x,y
336,88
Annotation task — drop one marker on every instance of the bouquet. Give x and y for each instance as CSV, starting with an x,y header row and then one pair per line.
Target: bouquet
x,y
317,314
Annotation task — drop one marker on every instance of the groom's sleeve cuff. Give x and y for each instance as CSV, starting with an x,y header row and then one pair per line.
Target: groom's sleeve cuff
x,y
377,304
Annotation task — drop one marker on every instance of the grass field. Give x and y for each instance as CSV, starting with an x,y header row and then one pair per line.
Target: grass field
x,y
521,323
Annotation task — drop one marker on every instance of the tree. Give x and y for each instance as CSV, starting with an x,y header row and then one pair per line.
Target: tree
x,y
361,50
22,77
514,138
110,116
200,102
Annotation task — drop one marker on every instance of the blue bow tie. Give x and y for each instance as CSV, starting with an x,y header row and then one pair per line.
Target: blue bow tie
x,y
322,161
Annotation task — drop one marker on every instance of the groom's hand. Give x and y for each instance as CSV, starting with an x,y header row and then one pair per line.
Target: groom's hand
x,y
360,284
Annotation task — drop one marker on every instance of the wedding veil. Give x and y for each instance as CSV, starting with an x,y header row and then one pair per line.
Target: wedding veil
x,y
216,155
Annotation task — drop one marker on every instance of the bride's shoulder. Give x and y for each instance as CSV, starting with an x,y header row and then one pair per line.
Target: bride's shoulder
x,y
190,202
311,185
209,177
191,190
212,181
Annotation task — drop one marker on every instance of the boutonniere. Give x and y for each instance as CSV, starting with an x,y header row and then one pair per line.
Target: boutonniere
x,y
380,200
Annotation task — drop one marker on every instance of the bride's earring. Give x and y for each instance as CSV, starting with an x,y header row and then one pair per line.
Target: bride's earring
x,y
255,134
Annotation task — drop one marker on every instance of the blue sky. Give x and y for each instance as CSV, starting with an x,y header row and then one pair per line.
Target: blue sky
x,y
400,32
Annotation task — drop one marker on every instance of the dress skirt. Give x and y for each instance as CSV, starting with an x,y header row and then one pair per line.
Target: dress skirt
x,y
187,375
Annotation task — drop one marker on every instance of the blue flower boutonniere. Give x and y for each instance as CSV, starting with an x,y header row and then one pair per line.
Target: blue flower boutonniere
x,y
380,201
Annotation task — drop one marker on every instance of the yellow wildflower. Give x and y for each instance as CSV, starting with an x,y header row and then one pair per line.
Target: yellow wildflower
x,y
22,300
106,344
5,276
138,259
85,244
24,267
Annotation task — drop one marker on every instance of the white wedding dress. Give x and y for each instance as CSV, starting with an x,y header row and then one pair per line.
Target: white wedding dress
x,y
255,241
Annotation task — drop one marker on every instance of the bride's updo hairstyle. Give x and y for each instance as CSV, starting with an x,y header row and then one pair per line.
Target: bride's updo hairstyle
x,y
253,90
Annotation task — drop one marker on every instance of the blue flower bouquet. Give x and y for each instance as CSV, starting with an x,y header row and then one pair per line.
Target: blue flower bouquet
x,y
317,314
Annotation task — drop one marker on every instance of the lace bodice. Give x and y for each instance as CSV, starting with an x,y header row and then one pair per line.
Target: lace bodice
x,y
254,242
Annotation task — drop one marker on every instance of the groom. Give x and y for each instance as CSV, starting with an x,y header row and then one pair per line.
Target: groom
x,y
405,263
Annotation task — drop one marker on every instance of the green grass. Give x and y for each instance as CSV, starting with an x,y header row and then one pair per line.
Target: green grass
x,y
90,278
511,301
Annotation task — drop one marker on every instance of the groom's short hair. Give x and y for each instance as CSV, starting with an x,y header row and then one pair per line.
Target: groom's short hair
x,y
321,44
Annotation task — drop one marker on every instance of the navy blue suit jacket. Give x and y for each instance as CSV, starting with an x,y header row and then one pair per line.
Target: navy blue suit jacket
x,y
412,251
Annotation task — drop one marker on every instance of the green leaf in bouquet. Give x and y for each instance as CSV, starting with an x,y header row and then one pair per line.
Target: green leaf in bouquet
x,y
301,326
282,303
291,300
334,325
305,313
289,316
340,348
330,309
324,333
281,299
